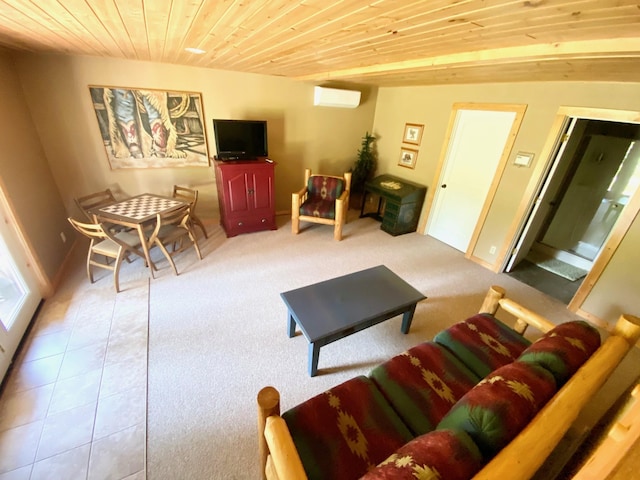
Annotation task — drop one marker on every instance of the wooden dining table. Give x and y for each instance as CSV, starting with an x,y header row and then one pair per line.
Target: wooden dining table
x,y
135,212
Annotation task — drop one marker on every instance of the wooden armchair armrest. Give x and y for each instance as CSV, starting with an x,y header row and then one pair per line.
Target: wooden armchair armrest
x,y
344,197
284,456
343,200
297,198
279,459
302,192
524,317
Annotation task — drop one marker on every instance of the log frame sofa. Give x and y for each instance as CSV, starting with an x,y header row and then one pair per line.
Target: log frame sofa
x,y
524,454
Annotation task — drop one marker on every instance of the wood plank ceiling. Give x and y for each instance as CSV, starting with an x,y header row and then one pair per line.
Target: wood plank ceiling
x,y
377,42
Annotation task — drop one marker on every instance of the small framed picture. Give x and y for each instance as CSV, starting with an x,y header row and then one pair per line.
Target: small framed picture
x,y
412,133
408,157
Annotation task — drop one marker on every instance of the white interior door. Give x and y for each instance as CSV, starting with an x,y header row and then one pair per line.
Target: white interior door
x,y
477,142
19,293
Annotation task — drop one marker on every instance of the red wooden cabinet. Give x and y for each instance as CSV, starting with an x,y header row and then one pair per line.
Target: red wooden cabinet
x,y
246,196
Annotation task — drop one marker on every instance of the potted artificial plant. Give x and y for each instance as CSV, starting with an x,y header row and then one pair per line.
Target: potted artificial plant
x,y
363,168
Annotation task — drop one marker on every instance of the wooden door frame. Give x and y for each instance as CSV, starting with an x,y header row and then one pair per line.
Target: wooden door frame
x,y
46,288
622,224
519,110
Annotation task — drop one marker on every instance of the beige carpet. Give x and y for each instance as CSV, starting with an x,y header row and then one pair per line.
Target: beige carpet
x,y
217,333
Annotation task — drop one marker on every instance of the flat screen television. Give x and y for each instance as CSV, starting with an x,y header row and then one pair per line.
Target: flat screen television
x,y
240,139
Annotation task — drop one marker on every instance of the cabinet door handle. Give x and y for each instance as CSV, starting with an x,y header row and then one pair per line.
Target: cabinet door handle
x,y
444,185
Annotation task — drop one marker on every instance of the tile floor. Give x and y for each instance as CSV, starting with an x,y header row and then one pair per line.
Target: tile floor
x,y
73,406
553,285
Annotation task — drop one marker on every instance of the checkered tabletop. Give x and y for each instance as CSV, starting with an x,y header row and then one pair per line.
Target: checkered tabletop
x,y
142,206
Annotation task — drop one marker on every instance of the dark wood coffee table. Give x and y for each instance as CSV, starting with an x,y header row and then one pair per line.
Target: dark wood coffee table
x,y
333,309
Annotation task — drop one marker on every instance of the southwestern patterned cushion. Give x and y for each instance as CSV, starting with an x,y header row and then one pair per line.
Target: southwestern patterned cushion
x,y
501,405
443,454
564,349
321,197
483,343
422,384
345,431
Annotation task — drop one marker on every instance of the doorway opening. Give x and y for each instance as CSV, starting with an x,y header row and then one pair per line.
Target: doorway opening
x,y
19,290
595,171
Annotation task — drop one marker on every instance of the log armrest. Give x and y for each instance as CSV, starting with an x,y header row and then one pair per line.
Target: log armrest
x,y
342,205
284,456
298,198
279,459
343,198
495,300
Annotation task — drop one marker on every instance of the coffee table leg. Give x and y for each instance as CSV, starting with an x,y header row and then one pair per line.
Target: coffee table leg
x,y
407,317
291,326
314,353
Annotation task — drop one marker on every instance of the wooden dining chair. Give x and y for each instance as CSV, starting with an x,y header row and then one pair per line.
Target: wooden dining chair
x,y
109,245
190,195
171,229
94,200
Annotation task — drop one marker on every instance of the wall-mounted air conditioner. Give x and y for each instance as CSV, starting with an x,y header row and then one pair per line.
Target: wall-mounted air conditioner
x,y
335,97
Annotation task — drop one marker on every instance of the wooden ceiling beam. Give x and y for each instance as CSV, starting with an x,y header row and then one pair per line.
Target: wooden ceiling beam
x,y
607,48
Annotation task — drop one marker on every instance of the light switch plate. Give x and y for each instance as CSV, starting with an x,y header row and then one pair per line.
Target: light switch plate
x,y
523,159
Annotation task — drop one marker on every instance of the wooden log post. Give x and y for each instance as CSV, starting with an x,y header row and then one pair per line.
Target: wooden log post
x,y
528,451
491,303
286,460
268,404
525,317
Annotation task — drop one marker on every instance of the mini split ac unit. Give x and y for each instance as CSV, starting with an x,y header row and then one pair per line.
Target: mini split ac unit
x,y
334,97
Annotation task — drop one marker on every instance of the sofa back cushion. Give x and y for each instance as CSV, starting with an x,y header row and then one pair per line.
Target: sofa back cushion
x,y
345,431
501,405
422,384
442,454
483,343
563,349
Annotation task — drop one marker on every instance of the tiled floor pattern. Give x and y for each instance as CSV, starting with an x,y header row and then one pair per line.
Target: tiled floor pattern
x,y
74,404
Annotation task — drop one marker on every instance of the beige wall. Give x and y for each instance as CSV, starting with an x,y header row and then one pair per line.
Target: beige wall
x,y
431,106
27,178
300,135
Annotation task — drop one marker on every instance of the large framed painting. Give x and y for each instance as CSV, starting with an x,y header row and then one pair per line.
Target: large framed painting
x,y
145,128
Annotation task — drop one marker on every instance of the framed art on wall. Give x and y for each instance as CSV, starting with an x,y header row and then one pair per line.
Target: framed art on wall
x,y
408,157
145,128
412,133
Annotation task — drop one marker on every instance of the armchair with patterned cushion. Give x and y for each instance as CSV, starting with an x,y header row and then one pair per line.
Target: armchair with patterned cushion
x,y
324,199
